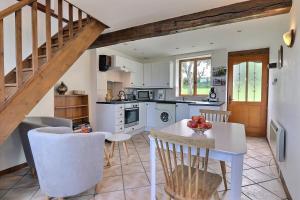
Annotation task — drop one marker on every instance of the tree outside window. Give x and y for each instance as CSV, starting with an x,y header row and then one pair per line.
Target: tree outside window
x,y
195,76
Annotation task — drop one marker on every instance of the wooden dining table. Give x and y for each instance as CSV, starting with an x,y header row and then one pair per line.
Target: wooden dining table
x,y
230,146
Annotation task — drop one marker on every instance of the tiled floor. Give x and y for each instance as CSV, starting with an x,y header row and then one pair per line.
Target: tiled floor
x,y
128,179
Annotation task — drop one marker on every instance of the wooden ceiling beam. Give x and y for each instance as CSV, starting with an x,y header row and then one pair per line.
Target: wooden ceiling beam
x,y
237,12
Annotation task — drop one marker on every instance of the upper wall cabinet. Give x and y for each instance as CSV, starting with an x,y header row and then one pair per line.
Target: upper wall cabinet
x,y
134,68
158,75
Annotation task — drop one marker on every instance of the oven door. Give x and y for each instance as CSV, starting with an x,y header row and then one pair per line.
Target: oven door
x,y
131,117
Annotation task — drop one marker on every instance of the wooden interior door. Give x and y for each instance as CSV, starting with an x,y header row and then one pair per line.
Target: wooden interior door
x,y
248,90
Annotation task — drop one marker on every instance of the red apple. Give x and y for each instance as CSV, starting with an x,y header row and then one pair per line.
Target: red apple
x,y
201,119
195,118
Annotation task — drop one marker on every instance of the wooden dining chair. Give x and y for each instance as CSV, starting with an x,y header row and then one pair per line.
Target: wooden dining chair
x,y
183,181
218,116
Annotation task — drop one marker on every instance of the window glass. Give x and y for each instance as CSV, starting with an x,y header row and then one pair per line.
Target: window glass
x,y
254,81
203,76
239,82
187,78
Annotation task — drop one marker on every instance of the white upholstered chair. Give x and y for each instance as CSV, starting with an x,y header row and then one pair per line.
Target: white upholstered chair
x,y
66,164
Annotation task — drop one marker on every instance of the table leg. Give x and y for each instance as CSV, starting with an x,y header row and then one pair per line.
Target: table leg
x,y
107,157
236,176
112,148
152,168
125,148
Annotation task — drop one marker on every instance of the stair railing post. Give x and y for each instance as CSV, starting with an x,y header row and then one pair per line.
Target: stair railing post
x,y
70,21
79,20
19,63
60,24
2,78
48,30
35,47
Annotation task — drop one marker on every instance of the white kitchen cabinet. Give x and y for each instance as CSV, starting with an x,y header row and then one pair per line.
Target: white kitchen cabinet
x,y
158,75
195,109
182,111
147,73
142,115
110,118
121,63
136,74
151,113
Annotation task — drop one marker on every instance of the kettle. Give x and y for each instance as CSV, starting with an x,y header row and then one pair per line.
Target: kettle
x,y
122,95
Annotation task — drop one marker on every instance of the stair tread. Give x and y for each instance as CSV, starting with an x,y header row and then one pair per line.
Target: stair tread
x,y
10,84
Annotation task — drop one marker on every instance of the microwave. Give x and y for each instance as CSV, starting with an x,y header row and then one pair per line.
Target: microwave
x,y
144,95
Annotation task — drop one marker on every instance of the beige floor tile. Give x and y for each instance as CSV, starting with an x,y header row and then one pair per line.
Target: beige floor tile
x,y
20,193
245,181
27,181
160,192
146,165
85,197
130,159
225,195
135,180
8,181
114,170
256,192
2,193
160,177
142,193
275,186
118,195
132,168
110,184
20,172
269,170
254,163
256,175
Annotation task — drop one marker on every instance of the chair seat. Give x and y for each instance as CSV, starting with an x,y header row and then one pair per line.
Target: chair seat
x,y
207,185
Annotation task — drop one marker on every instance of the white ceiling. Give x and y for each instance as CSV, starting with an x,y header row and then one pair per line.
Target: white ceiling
x,y
120,14
258,33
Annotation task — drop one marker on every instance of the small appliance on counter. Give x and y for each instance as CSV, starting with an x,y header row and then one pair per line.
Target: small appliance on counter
x,y
122,95
144,95
212,95
161,94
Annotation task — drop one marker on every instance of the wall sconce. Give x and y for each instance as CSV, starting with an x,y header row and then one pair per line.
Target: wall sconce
x,y
289,38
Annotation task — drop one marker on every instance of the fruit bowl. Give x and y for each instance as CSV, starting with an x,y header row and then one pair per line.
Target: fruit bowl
x,y
198,124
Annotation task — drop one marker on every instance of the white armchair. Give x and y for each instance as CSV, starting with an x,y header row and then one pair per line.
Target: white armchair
x,y
66,164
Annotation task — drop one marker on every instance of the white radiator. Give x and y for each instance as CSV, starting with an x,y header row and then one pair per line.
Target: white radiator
x,y
277,140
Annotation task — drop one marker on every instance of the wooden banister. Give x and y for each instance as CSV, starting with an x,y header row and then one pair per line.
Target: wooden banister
x,y
14,8
79,19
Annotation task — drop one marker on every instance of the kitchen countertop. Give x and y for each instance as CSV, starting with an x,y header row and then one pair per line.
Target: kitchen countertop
x,y
192,103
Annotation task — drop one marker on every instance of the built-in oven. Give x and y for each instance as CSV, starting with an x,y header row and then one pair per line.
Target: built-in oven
x,y
131,114
144,94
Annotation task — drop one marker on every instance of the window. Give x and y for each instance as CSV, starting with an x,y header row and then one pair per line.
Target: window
x,y
195,76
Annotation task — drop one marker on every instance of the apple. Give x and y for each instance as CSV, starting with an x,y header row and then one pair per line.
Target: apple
x,y
195,118
201,119
201,126
208,125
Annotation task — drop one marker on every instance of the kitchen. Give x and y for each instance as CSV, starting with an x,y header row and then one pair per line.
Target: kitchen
x,y
146,101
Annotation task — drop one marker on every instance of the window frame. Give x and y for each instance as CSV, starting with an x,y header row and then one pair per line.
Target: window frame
x,y
195,75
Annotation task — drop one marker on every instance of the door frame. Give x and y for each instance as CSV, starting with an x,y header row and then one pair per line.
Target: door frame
x,y
252,52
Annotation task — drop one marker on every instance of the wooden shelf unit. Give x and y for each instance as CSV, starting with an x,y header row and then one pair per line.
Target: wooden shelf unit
x,y
74,107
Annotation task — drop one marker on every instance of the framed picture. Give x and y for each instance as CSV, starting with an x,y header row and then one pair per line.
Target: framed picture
x,y
280,57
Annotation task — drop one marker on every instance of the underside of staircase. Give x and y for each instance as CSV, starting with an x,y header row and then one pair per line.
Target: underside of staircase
x,y
24,86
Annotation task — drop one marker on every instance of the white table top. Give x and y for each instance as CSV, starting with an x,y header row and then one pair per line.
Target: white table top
x,y
229,137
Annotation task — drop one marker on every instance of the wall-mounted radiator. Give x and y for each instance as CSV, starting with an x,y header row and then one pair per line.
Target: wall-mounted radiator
x,y
277,140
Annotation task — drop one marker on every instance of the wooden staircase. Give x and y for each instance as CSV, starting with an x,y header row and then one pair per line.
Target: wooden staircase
x,y
24,86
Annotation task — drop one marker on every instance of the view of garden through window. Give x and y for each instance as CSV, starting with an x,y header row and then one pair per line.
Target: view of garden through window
x,y
195,76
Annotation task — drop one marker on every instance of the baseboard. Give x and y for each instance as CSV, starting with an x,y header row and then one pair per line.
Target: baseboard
x,y
13,169
285,188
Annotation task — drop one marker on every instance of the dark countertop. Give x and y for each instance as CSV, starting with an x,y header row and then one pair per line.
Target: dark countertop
x,y
192,103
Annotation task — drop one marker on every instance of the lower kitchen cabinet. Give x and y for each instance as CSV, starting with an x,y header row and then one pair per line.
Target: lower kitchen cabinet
x,y
142,115
182,111
151,113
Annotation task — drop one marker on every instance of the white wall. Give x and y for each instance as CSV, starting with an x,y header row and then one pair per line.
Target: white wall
x,y
284,98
